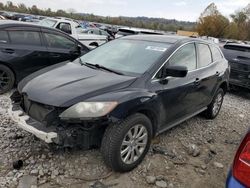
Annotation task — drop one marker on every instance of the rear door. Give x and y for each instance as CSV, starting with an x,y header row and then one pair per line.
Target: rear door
x,y
5,54
26,50
60,46
209,73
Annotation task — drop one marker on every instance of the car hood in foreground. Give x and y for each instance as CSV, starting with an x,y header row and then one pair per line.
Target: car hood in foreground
x,y
71,83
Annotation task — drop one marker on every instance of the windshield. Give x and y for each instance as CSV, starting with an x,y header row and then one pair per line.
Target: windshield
x,y
127,56
47,23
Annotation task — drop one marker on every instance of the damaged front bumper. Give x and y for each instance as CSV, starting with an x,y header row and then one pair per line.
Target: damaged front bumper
x,y
25,122
43,121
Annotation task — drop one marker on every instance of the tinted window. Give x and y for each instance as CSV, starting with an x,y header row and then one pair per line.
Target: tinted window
x,y
237,48
25,38
4,37
216,53
186,56
205,57
58,41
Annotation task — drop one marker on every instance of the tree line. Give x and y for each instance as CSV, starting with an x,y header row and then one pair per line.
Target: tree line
x,y
213,23
210,23
141,22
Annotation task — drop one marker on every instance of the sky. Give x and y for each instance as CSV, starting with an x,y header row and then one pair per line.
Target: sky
x,y
186,10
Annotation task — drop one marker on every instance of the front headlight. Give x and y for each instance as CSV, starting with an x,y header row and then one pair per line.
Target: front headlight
x,y
88,110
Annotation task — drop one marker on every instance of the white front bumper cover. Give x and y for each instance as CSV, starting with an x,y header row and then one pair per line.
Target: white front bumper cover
x,y
19,117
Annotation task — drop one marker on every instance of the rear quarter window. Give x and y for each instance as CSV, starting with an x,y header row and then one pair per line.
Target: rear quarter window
x,y
4,39
217,56
30,38
204,54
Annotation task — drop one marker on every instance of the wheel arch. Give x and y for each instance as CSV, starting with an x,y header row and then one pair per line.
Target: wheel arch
x,y
151,116
224,86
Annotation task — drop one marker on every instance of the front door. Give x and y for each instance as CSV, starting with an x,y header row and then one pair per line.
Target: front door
x,y
178,95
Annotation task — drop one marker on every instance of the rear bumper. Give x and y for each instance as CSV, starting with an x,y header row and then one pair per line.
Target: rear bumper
x,y
24,122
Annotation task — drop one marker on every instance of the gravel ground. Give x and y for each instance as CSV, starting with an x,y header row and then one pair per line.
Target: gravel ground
x,y
197,153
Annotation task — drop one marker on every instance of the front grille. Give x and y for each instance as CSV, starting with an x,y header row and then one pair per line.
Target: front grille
x,y
46,114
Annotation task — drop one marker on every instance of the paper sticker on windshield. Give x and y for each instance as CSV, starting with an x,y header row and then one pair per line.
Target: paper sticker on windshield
x,y
156,48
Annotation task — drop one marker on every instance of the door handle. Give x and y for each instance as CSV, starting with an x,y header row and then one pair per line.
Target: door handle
x,y
217,74
8,51
197,81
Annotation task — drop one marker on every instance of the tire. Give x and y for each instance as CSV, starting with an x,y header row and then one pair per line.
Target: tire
x,y
211,113
7,79
117,134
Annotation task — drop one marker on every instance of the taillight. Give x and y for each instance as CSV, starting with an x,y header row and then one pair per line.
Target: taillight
x,y
241,166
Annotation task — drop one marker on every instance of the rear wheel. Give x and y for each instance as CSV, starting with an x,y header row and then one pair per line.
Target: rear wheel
x,y
7,79
215,106
124,145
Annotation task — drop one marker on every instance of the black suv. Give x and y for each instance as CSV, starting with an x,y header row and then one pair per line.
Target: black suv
x,y
26,48
238,56
122,94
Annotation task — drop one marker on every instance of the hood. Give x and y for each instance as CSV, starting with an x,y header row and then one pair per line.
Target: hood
x,y
71,83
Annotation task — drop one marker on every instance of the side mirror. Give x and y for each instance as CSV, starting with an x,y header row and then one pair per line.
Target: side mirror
x,y
176,71
66,29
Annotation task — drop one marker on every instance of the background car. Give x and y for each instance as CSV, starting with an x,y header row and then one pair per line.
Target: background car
x,y
122,94
19,17
238,56
8,15
74,29
239,175
97,31
26,48
134,31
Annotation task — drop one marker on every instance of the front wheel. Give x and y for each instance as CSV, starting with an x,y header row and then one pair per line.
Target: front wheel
x,y
125,145
215,106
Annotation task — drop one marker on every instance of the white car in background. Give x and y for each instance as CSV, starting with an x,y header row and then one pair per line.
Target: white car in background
x,y
74,29
135,31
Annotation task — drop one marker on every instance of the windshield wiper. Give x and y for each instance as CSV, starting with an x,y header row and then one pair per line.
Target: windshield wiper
x,y
102,67
86,64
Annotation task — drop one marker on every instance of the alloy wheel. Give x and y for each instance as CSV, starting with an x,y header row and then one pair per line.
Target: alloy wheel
x,y
217,104
134,144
